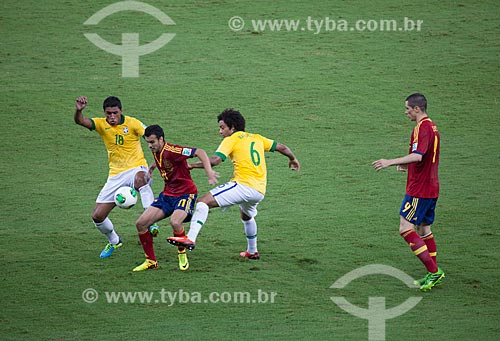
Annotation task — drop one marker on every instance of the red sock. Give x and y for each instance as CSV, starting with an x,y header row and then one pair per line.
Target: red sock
x,y
180,234
431,245
147,245
419,248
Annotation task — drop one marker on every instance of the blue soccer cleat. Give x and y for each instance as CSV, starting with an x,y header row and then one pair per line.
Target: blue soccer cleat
x,y
154,229
110,248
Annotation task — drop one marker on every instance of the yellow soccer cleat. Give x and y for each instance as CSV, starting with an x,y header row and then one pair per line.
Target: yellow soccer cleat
x,y
183,260
148,264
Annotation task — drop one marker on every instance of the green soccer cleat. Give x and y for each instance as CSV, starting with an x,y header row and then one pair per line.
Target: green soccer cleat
x,y
432,279
421,281
154,230
109,249
148,264
183,260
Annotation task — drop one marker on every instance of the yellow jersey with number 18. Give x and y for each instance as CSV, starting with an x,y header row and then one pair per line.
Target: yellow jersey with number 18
x,y
246,152
122,142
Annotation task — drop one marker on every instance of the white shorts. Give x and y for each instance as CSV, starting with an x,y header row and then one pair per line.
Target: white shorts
x,y
112,184
232,193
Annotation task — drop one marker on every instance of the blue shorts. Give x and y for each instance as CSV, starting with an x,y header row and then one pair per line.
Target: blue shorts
x,y
418,211
169,204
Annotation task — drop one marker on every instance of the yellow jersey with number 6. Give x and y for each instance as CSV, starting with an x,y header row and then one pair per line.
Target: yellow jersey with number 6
x,y
122,142
246,152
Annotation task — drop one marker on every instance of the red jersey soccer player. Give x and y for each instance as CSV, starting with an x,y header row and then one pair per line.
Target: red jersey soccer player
x,y
422,189
178,196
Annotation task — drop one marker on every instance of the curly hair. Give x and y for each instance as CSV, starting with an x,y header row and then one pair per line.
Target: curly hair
x,y
233,119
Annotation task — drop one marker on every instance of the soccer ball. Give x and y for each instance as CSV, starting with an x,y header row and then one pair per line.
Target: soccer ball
x,y
125,197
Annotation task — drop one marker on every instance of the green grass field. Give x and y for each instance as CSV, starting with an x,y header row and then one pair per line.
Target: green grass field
x,y
336,98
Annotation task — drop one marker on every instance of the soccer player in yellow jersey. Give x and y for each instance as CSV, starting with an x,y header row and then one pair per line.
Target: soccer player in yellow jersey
x,y
248,185
127,166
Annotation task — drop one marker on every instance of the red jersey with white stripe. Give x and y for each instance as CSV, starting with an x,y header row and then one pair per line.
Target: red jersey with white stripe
x,y
422,181
171,162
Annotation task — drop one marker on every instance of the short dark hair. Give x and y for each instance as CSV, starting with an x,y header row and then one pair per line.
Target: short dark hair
x,y
154,130
233,119
112,101
417,100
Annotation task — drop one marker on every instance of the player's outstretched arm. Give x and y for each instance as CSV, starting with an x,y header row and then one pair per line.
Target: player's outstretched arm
x,y
205,161
81,103
401,161
293,163
214,161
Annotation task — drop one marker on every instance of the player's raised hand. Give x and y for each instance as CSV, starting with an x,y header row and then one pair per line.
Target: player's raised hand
x,y
81,102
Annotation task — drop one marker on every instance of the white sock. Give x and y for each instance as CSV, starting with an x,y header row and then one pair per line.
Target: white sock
x,y
147,196
106,227
199,218
251,233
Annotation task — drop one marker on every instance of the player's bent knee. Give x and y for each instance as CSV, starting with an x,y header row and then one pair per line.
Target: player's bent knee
x,y
140,180
204,199
97,218
423,230
404,230
245,217
405,225
208,200
141,225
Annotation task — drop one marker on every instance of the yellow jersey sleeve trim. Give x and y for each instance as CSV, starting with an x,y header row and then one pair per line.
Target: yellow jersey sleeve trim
x,y
93,125
222,156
